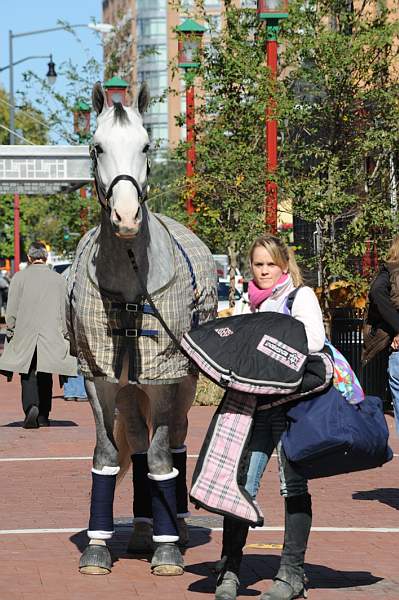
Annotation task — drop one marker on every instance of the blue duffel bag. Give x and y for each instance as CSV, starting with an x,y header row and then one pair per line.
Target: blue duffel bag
x,y
327,436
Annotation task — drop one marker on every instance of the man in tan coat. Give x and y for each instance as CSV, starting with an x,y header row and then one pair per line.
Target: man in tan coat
x,y
37,344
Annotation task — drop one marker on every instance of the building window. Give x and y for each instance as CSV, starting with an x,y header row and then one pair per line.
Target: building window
x,y
150,4
151,27
156,53
157,81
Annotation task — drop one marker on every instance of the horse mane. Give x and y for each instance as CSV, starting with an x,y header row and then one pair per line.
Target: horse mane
x,y
120,115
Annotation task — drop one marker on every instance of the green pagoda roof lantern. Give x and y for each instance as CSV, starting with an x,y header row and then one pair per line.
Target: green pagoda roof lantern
x,y
115,89
189,43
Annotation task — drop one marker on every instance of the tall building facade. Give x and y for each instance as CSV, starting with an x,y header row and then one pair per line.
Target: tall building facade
x,y
153,48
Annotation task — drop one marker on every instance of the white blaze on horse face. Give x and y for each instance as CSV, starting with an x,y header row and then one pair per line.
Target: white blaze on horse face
x,y
122,143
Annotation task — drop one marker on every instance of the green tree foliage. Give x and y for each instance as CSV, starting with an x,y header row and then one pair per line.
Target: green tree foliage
x,y
59,220
233,85
339,106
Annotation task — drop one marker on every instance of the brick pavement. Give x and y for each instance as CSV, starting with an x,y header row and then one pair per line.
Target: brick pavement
x,y
54,494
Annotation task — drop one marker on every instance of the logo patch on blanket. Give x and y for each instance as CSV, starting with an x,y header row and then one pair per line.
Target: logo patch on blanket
x,y
224,332
279,351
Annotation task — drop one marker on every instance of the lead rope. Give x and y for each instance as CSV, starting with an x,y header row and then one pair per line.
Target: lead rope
x,y
151,303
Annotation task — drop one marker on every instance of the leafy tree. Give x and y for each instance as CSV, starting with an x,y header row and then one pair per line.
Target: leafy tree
x,y
230,167
339,106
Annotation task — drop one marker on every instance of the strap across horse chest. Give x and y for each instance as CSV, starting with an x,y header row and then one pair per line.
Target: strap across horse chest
x,y
152,306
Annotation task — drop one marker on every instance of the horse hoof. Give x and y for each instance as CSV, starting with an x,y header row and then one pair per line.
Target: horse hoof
x,y
167,560
140,541
95,560
184,537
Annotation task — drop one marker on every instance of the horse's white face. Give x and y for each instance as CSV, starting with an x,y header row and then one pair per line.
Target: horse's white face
x,y
121,144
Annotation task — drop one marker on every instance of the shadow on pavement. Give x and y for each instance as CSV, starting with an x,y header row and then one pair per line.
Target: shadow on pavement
x,y
389,496
118,544
53,423
257,567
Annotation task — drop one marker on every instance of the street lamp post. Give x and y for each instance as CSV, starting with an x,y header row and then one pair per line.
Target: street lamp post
x,y
81,126
51,77
189,48
271,11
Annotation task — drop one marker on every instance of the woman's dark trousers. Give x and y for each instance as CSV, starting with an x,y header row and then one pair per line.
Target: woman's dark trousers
x,y
37,389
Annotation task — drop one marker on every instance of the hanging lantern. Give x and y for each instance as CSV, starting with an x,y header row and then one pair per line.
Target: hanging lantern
x,y
81,119
116,89
272,9
190,35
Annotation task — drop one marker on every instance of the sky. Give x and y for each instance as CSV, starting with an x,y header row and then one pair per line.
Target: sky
x,y
28,15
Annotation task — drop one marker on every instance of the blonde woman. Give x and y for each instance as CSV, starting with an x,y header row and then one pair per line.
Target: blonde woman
x,y
275,275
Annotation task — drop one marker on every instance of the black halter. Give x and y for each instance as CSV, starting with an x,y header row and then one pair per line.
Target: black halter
x,y
104,195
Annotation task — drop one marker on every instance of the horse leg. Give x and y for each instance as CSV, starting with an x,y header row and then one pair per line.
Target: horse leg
x,y
131,403
167,559
178,424
96,558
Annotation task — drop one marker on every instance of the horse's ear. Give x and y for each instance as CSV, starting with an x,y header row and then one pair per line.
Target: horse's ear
x,y
143,98
98,98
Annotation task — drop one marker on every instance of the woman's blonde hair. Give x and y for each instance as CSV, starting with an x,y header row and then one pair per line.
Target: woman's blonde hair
x,y
282,255
393,252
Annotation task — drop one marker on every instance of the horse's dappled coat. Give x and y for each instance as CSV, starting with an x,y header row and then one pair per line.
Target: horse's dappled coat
x,y
152,359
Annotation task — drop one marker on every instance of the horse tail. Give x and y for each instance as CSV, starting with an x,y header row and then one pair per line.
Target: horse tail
x,y
124,451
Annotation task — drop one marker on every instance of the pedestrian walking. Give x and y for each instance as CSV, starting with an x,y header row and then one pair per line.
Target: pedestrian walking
x,y
383,317
275,276
74,389
36,344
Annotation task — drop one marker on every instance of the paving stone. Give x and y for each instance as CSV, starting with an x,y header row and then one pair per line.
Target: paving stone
x,y
55,494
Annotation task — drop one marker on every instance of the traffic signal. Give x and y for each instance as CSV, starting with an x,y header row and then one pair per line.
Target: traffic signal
x,y
67,233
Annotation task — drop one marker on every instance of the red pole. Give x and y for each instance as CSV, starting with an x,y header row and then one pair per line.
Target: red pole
x,y
271,144
190,128
83,211
17,256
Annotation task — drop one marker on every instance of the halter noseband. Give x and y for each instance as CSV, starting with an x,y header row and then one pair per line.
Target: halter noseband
x,y
105,195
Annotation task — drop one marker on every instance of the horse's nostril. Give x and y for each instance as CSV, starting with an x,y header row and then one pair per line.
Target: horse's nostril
x,y
117,216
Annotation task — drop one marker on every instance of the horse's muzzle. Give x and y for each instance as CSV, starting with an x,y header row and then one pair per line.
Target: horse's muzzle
x,y
126,233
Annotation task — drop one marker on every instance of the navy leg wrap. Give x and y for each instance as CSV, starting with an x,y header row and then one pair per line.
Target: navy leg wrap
x,y
102,503
163,493
179,462
142,507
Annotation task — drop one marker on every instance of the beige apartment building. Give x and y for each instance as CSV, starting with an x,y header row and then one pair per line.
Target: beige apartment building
x,y
152,30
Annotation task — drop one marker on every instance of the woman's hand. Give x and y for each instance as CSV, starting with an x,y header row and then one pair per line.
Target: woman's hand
x,y
228,312
395,342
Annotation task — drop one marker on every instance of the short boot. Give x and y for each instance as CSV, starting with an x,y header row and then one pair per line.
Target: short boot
x,y
289,582
140,541
167,559
234,537
179,456
142,508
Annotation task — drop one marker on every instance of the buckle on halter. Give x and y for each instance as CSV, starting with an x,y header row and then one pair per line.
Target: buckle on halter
x,y
132,333
132,307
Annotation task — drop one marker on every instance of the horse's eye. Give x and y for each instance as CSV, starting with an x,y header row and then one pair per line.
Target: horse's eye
x,y
98,148
146,148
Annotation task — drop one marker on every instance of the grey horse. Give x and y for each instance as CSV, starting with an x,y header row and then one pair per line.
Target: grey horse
x,y
138,282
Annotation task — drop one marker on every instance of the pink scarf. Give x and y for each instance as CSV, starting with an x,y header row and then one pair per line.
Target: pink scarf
x,y
257,296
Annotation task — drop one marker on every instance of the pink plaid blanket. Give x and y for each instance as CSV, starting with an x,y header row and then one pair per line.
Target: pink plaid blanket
x,y
217,485
215,479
